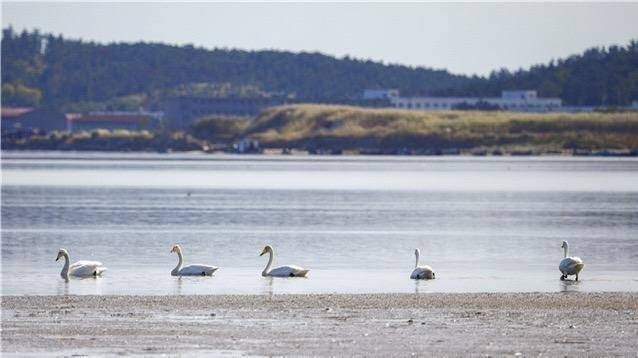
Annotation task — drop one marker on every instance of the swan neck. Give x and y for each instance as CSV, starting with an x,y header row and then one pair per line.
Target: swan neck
x,y
65,269
271,257
180,256
416,264
566,248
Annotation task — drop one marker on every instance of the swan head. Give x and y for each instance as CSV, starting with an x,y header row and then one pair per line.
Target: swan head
x,y
61,253
266,250
176,248
564,245
417,252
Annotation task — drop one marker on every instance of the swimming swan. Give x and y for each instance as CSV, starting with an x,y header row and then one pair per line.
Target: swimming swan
x,y
80,268
570,265
281,271
190,270
421,272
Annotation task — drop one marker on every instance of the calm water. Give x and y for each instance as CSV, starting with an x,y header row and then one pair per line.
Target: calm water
x,y
484,224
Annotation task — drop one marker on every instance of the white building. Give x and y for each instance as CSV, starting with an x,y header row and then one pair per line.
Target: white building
x,y
516,101
380,93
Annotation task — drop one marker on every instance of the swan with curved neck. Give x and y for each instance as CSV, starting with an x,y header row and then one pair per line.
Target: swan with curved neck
x,y
190,270
569,265
79,269
424,272
281,271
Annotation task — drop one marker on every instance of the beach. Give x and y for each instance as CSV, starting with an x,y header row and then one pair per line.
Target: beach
x,y
528,324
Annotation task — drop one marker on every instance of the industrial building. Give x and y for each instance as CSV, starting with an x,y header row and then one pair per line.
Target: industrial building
x,y
29,120
515,101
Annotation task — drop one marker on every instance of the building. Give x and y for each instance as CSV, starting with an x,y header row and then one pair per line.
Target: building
x,y
134,121
30,120
515,101
181,112
370,94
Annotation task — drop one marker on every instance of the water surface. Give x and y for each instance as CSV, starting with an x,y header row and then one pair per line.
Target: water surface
x,y
484,224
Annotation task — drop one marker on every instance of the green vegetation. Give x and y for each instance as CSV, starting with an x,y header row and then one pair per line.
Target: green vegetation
x,y
126,103
77,74
104,140
68,71
393,131
214,90
598,77
21,95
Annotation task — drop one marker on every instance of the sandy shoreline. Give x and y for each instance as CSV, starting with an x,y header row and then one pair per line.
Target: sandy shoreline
x,y
379,324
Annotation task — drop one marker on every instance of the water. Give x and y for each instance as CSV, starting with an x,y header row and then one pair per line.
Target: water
x,y
483,224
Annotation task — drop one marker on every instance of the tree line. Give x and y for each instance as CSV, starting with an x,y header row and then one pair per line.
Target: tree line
x,y
52,71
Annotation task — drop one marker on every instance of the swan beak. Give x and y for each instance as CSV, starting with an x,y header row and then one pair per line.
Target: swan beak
x,y
57,258
262,252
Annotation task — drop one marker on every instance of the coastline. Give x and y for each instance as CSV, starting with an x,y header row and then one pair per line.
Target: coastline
x,y
323,324
279,152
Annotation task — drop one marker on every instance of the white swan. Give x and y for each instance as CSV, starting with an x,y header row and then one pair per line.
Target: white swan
x,y
570,265
421,272
281,271
80,268
190,270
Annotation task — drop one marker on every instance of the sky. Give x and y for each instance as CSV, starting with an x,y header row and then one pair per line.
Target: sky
x,y
464,38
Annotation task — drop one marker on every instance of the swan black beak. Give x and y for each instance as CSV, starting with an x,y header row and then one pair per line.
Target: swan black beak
x,y
57,258
262,253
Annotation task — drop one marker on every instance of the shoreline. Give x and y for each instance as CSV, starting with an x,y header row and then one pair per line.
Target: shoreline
x,y
323,324
624,153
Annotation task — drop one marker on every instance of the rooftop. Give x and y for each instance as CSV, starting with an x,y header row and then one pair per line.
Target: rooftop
x,y
104,117
14,112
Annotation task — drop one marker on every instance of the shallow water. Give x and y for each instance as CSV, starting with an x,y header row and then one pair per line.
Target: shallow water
x,y
484,224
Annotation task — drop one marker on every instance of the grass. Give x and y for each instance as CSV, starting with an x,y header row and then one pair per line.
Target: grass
x,y
389,129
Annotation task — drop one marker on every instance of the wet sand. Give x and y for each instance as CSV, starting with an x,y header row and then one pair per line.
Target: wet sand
x,y
575,324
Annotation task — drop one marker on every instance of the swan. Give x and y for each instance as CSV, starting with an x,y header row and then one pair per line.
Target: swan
x,y
421,272
190,270
80,268
281,271
570,265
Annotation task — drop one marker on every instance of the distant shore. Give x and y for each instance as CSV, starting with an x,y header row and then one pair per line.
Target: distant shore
x,y
594,324
614,153
334,130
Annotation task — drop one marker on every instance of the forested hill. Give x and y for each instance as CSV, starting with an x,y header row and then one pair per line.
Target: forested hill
x,y
70,70
599,76
48,70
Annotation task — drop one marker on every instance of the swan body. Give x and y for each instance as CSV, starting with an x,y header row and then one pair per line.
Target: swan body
x,y
190,270
281,271
423,272
570,265
81,268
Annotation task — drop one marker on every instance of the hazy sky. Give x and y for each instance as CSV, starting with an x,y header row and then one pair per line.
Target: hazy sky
x,y
461,37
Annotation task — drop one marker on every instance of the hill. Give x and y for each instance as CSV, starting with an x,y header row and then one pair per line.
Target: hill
x,y
330,128
66,70
49,70
597,77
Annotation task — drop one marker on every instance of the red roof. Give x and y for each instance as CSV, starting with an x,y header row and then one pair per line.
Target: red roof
x,y
114,118
14,112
